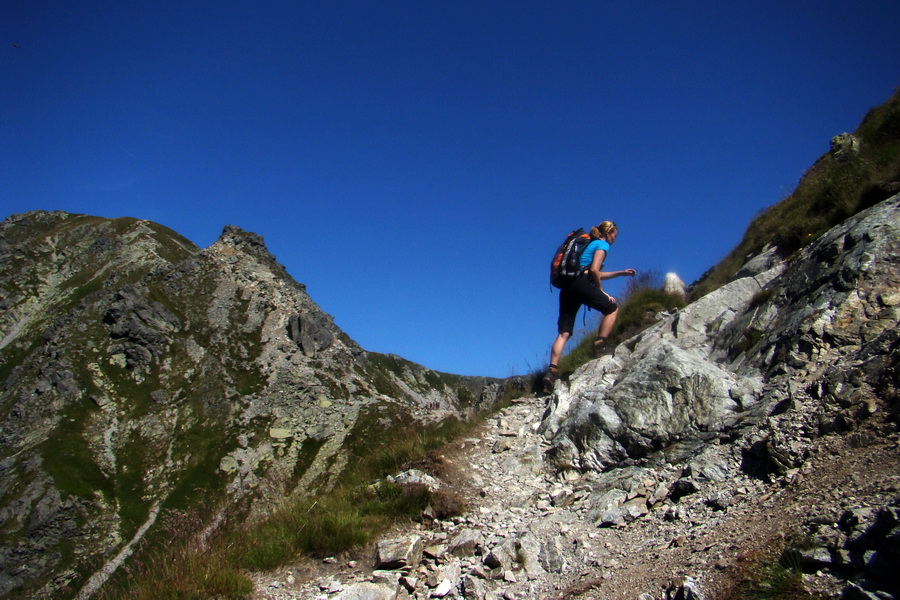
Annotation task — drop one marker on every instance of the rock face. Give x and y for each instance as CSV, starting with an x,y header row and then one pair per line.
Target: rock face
x,y
139,371
823,325
844,146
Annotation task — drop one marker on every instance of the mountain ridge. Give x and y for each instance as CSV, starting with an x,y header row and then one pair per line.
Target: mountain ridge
x,y
138,369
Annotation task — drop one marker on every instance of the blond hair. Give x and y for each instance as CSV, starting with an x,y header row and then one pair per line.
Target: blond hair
x,y
601,230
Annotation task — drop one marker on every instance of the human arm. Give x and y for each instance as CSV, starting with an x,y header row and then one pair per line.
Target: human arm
x,y
598,276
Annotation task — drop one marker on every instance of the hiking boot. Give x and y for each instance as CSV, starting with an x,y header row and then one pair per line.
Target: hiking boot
x,y
601,349
549,379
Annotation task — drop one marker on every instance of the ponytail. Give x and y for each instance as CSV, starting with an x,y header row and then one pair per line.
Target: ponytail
x,y
602,229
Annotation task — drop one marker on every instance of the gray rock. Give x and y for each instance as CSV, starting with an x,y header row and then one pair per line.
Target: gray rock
x,y
844,146
759,264
310,332
600,504
416,477
529,550
372,591
813,559
502,556
552,557
522,552
473,588
634,509
443,588
465,543
612,517
854,592
399,553
683,487
725,361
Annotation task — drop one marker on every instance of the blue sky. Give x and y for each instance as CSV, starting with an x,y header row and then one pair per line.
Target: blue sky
x,y
416,163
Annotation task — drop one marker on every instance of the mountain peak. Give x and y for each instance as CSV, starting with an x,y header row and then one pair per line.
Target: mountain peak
x,y
235,236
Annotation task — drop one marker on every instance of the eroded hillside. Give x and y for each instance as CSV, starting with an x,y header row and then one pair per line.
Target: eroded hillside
x,y
141,373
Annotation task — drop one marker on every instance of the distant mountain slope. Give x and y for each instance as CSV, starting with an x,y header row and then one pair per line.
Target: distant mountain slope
x,y
140,372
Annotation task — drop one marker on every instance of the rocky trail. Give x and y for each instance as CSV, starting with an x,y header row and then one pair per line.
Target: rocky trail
x,y
530,533
761,418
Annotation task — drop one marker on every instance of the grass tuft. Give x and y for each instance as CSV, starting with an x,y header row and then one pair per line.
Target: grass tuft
x,y
642,304
181,569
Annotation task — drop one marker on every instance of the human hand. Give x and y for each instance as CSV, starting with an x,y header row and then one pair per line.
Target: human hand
x,y
629,272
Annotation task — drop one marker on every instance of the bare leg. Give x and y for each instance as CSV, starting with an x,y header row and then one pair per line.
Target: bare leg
x,y
555,354
606,324
557,349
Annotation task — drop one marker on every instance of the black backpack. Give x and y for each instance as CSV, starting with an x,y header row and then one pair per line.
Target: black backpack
x,y
566,264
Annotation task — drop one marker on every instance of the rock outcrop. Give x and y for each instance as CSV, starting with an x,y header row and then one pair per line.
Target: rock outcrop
x,y
821,326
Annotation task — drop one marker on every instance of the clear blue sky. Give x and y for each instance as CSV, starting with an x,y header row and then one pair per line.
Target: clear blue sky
x,y
416,163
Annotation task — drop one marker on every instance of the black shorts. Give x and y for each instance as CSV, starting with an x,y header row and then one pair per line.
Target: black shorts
x,y
581,291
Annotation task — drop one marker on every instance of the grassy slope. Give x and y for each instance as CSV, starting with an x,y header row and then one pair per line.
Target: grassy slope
x,y
829,192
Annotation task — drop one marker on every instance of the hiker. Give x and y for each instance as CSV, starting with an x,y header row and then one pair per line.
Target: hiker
x,y
587,288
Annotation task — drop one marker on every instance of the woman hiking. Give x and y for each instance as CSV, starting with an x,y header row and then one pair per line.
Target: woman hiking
x,y
587,289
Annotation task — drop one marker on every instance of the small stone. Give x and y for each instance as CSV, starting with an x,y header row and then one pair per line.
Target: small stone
x,y
398,553
228,464
442,589
279,433
435,551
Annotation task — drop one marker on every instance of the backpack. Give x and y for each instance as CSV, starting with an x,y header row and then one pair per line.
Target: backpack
x,y
566,262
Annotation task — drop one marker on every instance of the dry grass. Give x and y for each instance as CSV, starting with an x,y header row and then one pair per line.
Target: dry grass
x,y
349,516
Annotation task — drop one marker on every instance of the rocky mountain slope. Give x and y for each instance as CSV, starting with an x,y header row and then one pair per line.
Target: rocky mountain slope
x,y
141,373
762,417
